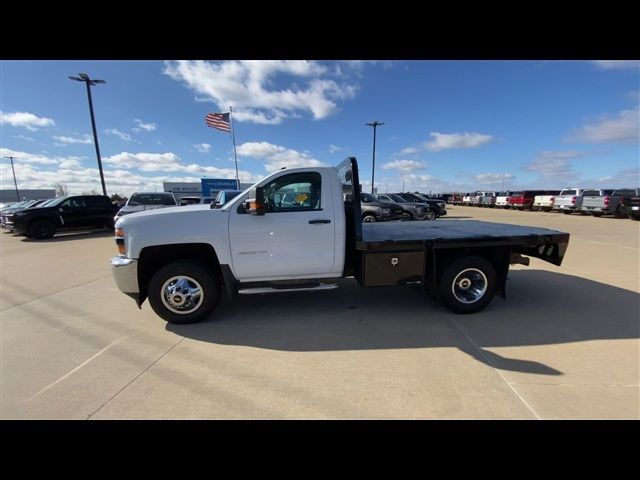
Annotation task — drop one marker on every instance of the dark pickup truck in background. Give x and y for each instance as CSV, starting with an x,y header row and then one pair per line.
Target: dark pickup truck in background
x,y
632,206
64,213
608,202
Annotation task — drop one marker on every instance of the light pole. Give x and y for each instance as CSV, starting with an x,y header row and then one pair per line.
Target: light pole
x,y
90,83
15,182
375,124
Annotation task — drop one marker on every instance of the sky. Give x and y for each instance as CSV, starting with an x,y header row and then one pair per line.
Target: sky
x,y
448,125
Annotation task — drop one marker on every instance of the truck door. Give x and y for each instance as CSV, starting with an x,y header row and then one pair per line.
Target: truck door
x,y
295,238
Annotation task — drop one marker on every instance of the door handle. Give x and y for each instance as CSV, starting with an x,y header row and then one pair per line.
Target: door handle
x,y
313,222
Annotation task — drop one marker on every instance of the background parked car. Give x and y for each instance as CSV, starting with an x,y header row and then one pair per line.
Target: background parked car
x,y
502,199
141,201
569,200
545,200
437,205
607,202
64,213
633,207
410,210
374,210
224,196
6,217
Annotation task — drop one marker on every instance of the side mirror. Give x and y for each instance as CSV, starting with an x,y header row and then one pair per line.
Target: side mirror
x,y
255,204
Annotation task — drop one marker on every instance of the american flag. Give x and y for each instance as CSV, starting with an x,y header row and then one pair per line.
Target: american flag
x,y
219,121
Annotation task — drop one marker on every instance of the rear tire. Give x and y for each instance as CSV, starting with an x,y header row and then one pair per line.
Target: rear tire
x,y
566,212
596,214
369,219
183,292
42,229
467,285
406,217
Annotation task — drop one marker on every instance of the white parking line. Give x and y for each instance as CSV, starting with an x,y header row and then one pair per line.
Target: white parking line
x,y
74,370
575,237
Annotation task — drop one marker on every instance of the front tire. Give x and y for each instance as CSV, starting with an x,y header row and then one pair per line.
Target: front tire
x,y
431,215
467,285
42,229
183,292
369,219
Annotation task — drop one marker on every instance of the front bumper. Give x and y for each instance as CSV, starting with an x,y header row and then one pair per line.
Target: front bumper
x,y
125,273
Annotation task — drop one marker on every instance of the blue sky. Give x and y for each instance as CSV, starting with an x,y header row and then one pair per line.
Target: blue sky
x,y
448,125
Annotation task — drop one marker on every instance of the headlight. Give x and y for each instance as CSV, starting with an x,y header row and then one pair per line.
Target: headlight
x,y
122,249
384,211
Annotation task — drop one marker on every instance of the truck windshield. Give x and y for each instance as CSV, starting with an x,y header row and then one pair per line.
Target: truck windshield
x,y
397,198
151,199
568,192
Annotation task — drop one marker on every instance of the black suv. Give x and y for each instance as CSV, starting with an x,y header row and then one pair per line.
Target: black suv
x,y
64,213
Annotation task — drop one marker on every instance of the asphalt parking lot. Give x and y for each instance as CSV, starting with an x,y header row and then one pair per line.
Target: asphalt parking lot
x,y
564,345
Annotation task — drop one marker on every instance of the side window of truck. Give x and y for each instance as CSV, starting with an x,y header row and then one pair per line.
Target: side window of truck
x,y
294,192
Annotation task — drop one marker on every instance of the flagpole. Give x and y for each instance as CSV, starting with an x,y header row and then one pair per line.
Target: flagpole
x,y
233,137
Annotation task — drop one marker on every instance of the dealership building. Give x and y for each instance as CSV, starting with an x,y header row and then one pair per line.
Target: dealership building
x,y
10,195
207,187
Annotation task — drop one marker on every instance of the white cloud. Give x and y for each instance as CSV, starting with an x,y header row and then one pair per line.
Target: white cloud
x,y
624,127
149,127
444,141
24,158
633,95
146,162
65,140
492,178
41,171
334,148
170,162
202,147
26,120
247,85
408,151
554,165
616,64
404,165
70,164
277,156
24,137
114,131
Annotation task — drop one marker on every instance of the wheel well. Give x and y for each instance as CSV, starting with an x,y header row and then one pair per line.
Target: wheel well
x,y
37,219
153,258
439,260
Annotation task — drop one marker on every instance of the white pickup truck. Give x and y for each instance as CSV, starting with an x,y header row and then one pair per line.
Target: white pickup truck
x,y
569,200
545,201
184,259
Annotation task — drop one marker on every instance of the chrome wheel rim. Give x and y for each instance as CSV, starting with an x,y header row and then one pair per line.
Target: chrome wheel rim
x,y
369,219
182,294
469,286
